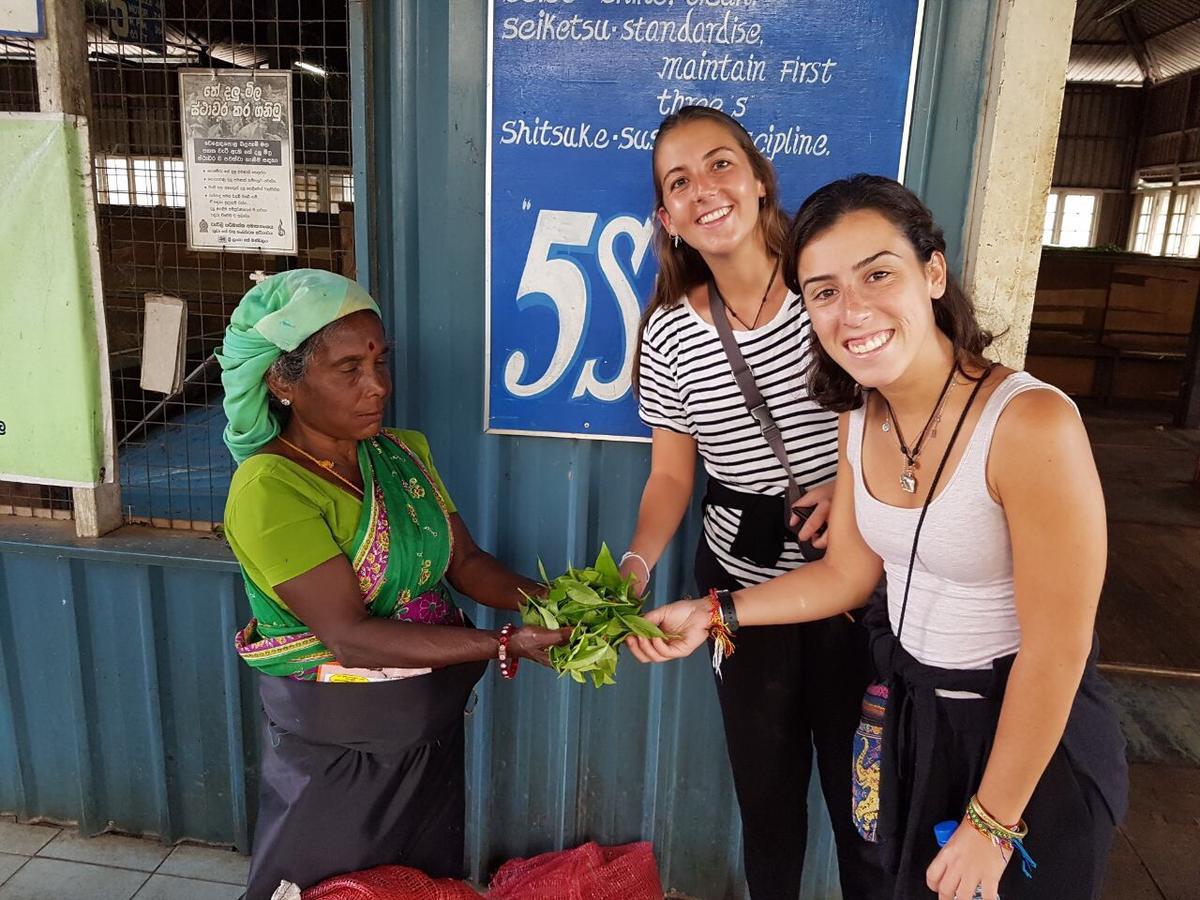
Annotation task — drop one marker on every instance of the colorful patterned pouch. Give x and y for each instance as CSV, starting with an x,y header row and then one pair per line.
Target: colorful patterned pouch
x,y
868,759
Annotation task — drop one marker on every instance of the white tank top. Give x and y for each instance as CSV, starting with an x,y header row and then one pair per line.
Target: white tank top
x,y
961,612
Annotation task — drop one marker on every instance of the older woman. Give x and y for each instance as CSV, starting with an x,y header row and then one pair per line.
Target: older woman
x,y
347,539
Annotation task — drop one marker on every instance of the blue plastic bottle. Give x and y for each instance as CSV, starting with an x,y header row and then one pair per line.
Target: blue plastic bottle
x,y
941,833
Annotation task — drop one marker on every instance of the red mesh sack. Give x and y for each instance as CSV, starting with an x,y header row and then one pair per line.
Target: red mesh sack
x,y
589,872
389,883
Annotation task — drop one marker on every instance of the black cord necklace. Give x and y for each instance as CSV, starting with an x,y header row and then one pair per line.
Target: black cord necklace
x,y
762,304
908,480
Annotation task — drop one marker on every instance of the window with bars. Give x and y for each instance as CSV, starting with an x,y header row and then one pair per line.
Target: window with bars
x,y
174,469
341,188
159,181
324,189
1175,220
1167,221
1071,217
139,181
1051,218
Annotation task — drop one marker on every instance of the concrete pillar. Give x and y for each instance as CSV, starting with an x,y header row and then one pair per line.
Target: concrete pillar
x,y
1014,161
62,72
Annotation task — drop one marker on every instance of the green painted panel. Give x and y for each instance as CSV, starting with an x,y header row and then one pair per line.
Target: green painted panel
x,y
50,359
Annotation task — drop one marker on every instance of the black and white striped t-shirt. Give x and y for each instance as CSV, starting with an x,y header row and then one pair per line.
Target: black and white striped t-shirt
x,y
686,385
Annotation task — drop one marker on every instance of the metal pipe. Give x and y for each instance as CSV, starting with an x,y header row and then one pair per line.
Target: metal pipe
x,y
1154,671
167,399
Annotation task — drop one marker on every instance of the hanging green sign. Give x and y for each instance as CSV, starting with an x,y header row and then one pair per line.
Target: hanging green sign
x,y
53,366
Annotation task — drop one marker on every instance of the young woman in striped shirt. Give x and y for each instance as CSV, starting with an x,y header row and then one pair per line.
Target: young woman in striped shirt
x,y
793,687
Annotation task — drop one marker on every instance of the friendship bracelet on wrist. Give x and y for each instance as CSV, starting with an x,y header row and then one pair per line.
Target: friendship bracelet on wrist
x,y
1007,838
508,664
719,630
728,610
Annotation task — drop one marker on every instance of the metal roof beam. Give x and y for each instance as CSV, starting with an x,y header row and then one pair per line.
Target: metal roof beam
x,y
1137,44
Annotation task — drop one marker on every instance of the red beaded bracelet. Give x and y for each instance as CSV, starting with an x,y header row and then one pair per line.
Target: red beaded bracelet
x,y
508,667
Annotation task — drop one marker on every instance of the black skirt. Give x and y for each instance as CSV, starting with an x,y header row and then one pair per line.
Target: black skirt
x,y
360,775
936,748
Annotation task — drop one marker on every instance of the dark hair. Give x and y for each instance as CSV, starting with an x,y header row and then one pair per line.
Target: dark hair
x,y
292,365
682,268
828,383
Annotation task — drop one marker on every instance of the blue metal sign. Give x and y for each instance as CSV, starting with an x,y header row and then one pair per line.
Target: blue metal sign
x,y
577,89
136,21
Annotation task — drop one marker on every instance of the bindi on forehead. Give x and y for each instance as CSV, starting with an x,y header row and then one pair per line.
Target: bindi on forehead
x,y
371,346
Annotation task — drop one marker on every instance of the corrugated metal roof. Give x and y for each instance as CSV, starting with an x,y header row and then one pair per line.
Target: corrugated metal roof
x,y
1153,17
1088,25
1104,63
1106,31
1178,50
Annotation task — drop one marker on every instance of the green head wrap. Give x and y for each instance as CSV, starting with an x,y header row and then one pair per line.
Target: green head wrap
x,y
276,316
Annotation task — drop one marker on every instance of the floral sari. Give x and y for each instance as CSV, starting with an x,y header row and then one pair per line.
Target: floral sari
x,y
400,553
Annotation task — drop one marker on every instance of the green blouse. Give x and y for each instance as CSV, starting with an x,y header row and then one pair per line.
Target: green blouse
x,y
282,520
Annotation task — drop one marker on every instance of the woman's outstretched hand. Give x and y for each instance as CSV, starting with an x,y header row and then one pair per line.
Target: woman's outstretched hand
x,y
532,642
685,623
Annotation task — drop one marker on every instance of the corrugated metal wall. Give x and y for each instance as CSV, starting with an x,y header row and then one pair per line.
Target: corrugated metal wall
x,y
1172,130
1096,136
1097,142
646,758
124,702
121,704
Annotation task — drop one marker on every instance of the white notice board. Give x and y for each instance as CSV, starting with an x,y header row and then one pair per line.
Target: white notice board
x,y
23,18
237,156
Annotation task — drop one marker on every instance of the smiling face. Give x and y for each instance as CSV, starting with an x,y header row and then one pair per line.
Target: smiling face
x,y
870,298
710,193
346,382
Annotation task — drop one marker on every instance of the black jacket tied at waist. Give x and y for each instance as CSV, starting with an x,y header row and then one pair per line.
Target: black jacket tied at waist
x,y
1092,740
761,531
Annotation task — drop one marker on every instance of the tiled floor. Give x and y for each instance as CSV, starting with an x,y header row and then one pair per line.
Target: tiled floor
x,y
41,862
1155,854
1150,617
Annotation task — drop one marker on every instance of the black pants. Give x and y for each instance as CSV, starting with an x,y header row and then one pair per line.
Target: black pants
x,y
1073,827
788,689
936,752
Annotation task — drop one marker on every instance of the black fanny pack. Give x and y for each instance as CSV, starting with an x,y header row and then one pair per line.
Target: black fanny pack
x,y
762,531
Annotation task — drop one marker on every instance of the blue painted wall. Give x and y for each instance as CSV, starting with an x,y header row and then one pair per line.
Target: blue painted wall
x,y
120,700
552,765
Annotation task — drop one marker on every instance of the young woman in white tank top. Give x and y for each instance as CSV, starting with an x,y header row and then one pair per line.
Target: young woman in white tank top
x,y
996,715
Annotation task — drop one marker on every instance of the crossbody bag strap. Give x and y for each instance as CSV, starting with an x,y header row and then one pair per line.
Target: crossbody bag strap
x,y
751,395
925,506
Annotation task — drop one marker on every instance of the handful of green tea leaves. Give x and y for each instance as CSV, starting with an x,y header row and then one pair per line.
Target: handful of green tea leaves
x,y
602,610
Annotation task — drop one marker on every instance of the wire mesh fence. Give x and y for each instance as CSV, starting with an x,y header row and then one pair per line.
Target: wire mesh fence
x,y
174,470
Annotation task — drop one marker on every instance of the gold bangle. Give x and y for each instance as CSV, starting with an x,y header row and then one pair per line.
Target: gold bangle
x,y
1015,833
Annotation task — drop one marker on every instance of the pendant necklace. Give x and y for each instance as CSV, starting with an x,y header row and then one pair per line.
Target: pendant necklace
x,y
908,478
326,464
762,304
